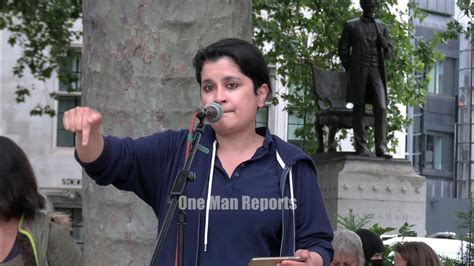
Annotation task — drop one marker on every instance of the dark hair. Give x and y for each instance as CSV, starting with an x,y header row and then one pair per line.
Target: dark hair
x,y
249,59
371,243
17,183
418,253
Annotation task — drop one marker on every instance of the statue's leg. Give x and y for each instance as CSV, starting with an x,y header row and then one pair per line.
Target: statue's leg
x,y
380,113
360,136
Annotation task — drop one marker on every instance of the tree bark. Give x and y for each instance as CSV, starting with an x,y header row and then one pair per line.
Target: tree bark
x,y
137,71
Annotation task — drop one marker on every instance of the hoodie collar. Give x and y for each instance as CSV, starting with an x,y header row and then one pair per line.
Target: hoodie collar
x,y
209,136
268,140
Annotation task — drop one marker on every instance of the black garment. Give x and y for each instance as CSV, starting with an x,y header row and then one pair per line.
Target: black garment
x,y
371,244
370,58
376,262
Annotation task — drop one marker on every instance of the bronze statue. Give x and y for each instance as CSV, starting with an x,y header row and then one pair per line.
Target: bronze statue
x,y
363,48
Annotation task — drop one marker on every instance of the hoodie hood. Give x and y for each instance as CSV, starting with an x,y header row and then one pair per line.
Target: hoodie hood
x,y
37,231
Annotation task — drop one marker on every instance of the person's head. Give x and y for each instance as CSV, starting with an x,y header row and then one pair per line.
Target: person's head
x,y
368,6
247,57
233,73
415,253
18,188
372,246
347,249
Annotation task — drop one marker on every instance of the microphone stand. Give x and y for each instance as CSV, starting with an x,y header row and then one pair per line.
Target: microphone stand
x,y
183,176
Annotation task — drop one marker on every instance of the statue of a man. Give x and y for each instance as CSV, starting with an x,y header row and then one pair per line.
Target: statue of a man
x,y
363,48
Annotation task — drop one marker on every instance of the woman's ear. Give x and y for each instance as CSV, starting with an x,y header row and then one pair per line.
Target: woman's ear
x,y
262,93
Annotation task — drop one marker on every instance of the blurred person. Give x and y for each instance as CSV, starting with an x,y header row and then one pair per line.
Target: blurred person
x,y
347,249
414,254
372,246
243,161
29,237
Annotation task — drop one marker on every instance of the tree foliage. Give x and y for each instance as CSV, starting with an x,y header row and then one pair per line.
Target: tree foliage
x,y
300,32
467,9
43,30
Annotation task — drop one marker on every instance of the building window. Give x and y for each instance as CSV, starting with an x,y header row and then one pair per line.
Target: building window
x,y
439,188
68,96
293,124
302,124
262,117
434,152
73,68
436,78
444,7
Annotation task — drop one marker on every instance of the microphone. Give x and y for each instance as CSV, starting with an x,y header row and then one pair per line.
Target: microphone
x,y
212,112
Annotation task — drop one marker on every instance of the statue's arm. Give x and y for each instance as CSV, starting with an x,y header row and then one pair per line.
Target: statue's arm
x,y
386,43
345,47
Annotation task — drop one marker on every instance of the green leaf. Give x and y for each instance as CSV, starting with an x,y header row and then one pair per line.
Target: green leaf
x,y
39,28
354,222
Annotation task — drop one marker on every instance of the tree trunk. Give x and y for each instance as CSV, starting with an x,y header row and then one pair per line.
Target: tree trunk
x,y
137,71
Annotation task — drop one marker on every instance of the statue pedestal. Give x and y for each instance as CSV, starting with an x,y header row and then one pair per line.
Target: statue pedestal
x,y
388,189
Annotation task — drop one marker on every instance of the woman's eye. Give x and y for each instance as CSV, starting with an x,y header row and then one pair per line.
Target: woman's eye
x,y
232,85
207,87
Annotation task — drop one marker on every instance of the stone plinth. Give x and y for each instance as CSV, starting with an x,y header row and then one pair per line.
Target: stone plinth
x,y
388,189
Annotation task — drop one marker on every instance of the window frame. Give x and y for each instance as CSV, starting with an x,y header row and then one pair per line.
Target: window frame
x,y
438,85
437,156
59,94
263,124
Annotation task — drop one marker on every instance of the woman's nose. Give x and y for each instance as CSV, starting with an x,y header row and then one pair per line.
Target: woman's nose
x,y
220,95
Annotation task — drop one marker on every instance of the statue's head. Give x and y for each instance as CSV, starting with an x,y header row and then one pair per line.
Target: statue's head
x,y
369,7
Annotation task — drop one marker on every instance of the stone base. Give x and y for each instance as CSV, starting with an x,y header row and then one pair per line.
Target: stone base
x,y
390,190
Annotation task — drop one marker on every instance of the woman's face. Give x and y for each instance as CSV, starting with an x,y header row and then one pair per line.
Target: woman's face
x,y
399,260
224,83
344,259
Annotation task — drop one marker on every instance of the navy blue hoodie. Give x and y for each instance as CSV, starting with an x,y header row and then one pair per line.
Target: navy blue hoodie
x,y
148,167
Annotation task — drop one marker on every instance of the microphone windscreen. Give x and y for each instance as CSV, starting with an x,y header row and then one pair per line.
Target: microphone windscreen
x,y
214,112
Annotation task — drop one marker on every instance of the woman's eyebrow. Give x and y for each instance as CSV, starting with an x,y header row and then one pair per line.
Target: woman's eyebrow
x,y
226,78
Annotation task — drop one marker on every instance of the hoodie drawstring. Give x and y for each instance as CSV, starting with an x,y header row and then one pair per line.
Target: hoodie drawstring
x,y
209,193
292,201
209,189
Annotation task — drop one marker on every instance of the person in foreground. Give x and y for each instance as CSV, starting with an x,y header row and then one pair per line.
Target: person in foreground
x,y
415,253
27,236
243,164
347,249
